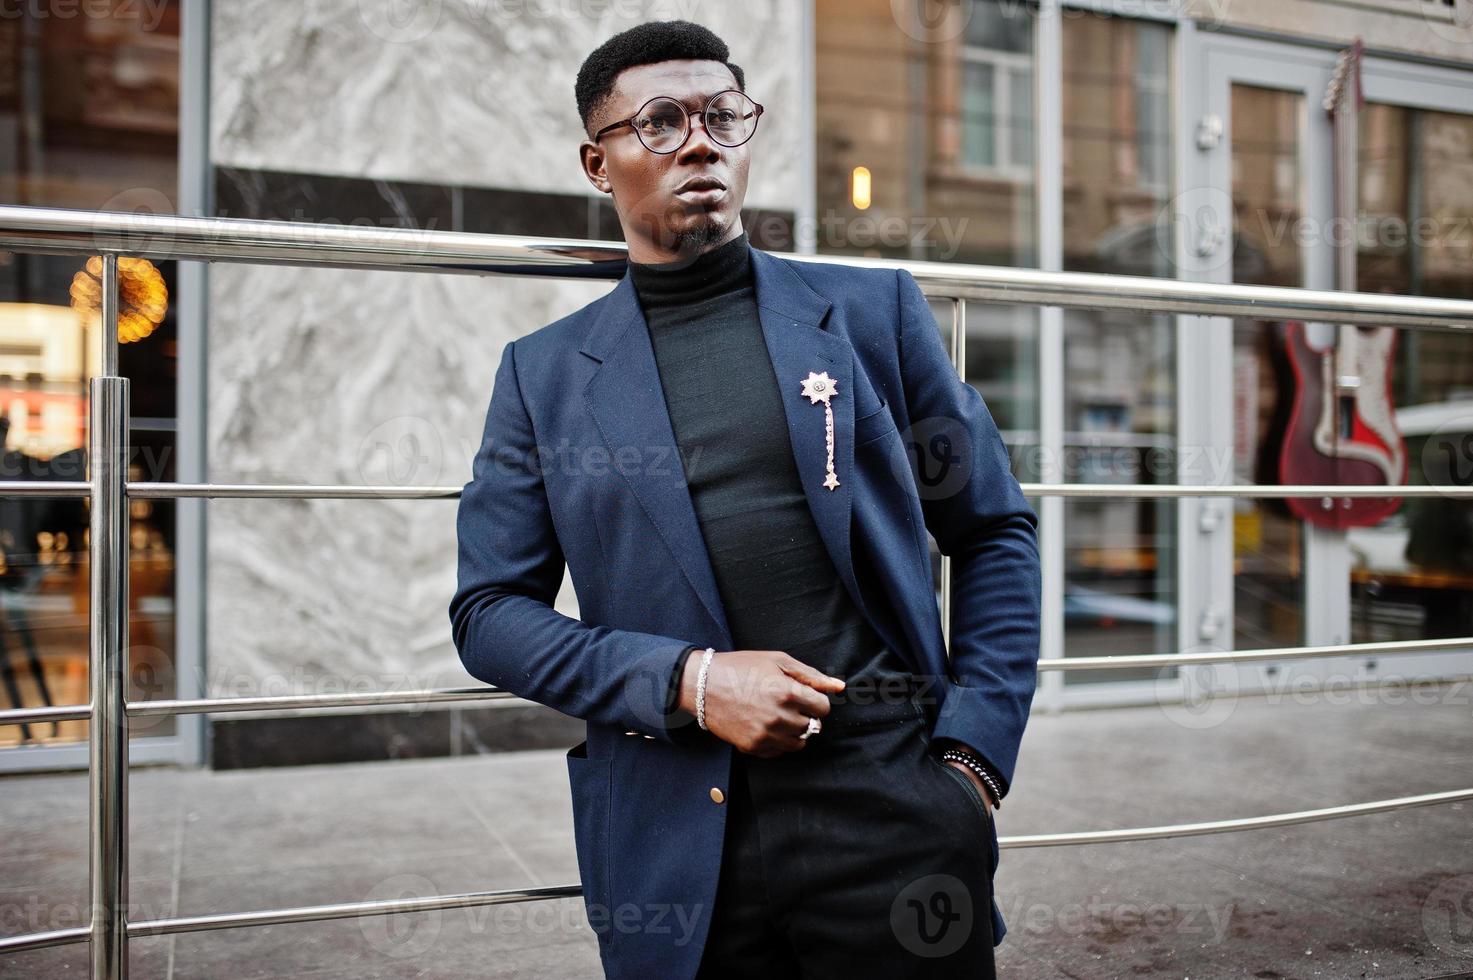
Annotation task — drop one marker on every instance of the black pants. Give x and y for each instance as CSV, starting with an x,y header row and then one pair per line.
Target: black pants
x,y
858,856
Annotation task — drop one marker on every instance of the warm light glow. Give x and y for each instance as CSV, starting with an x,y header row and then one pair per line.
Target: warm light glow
x,y
860,193
143,298
43,374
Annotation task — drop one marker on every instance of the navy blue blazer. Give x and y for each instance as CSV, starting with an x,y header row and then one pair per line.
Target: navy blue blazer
x,y
578,464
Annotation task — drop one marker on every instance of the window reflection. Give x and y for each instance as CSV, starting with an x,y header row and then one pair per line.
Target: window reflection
x,y
90,105
940,126
1412,574
997,93
1268,540
1119,368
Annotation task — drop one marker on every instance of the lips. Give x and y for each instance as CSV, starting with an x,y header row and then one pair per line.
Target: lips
x,y
700,184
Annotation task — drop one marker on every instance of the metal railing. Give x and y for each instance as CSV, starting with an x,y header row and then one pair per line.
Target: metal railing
x,y
111,235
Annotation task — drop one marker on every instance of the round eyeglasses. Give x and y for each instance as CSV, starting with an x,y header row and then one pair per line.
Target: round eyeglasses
x,y
663,124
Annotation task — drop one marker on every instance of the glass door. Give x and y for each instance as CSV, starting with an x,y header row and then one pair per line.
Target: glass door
x,y
1264,156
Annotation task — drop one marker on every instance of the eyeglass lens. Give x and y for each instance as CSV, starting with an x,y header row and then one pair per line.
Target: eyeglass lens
x,y
663,123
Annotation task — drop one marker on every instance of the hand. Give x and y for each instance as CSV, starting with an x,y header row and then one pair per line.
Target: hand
x,y
982,789
759,700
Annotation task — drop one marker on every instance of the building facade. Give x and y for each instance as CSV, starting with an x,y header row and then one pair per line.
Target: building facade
x,y
1184,140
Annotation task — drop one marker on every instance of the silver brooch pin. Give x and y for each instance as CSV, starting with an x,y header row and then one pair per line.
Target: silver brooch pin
x,y
820,388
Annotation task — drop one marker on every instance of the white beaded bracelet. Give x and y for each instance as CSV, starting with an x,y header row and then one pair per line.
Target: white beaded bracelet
x,y
701,688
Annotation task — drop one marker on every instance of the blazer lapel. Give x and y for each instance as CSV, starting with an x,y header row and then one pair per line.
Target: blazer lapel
x,y
627,402
794,325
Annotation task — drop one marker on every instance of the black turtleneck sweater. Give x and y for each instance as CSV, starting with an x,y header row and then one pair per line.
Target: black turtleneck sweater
x,y
777,581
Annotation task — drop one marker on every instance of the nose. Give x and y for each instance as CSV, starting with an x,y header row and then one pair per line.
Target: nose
x,y
703,145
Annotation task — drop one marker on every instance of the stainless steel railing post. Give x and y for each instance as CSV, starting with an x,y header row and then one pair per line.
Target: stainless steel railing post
x,y
107,450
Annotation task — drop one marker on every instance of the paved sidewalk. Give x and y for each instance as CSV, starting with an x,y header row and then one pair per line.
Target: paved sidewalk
x,y
1388,895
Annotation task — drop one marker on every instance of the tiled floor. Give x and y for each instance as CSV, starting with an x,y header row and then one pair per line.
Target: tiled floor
x,y
1388,895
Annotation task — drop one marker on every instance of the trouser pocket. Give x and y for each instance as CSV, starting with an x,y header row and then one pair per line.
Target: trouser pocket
x,y
973,794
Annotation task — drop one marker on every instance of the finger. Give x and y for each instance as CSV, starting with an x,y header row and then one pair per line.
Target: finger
x,y
811,676
789,741
799,731
805,702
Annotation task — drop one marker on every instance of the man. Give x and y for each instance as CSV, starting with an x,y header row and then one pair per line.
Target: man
x,y
737,457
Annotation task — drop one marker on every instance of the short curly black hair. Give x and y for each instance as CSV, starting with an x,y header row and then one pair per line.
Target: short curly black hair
x,y
644,44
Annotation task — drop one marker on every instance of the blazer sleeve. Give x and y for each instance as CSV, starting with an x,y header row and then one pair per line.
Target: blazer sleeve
x,y
510,567
981,520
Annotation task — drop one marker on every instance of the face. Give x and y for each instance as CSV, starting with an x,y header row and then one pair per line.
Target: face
x,y
662,223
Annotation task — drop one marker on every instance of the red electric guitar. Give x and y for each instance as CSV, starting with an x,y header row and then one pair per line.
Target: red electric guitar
x,y
1342,427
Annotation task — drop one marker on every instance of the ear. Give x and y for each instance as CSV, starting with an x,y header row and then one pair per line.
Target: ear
x,y
594,169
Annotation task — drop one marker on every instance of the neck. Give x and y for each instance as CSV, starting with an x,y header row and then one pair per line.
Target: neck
x,y
718,270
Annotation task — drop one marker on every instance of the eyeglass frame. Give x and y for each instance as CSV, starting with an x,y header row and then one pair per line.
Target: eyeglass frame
x,y
756,117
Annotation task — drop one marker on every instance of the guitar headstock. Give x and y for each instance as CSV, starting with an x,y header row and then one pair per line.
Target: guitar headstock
x,y
1347,74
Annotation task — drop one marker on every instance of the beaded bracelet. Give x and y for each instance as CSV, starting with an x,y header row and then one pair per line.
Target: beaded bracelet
x,y
971,762
701,688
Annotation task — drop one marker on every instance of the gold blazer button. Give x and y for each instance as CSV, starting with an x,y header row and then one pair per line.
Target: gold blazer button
x,y
716,795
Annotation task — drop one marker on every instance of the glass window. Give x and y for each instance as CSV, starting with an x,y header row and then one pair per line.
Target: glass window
x,y
1119,367
979,108
1268,539
936,124
997,92
998,27
89,119
1412,573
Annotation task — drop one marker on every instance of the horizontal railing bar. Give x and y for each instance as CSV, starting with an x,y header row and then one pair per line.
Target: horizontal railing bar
x,y
164,491
159,236
295,490
1127,661
1229,826
307,702
43,940
169,490
73,231
38,716
348,910
199,706
1167,297
1242,490
44,488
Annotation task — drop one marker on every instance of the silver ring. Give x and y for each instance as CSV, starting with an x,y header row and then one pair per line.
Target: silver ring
x,y
814,727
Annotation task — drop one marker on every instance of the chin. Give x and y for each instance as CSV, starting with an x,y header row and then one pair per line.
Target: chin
x,y
706,228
